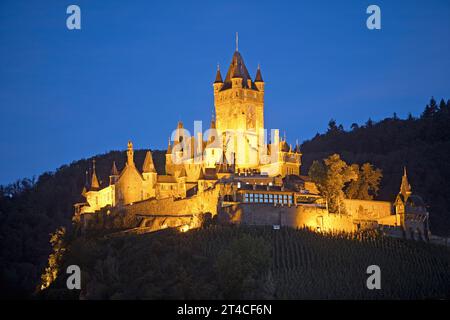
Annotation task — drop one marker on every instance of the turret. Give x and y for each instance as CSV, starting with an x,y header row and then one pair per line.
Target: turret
x,y
95,186
259,82
236,77
114,174
130,154
218,82
405,187
148,166
150,176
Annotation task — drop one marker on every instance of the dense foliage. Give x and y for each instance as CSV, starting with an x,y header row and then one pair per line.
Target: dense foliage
x,y
253,262
337,180
421,144
32,210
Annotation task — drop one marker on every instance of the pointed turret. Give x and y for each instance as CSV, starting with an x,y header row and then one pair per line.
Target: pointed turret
x,y
259,82
405,187
258,77
114,171
114,174
94,181
86,184
218,82
218,76
148,166
181,173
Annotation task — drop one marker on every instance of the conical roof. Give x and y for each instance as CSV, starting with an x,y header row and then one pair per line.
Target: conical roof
x,y
114,171
258,77
405,187
237,69
148,165
94,181
218,76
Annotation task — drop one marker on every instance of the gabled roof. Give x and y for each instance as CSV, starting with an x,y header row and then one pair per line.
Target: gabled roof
x,y
237,69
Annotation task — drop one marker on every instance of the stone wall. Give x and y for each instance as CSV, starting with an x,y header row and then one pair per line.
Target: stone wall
x,y
300,216
368,209
151,213
200,203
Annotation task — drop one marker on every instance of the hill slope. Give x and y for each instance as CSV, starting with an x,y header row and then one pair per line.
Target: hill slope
x,y
242,262
31,210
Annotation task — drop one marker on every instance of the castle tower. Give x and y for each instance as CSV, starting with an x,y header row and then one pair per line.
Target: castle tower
x,y
402,198
239,109
114,174
130,154
238,101
259,82
218,83
94,181
148,167
405,187
150,176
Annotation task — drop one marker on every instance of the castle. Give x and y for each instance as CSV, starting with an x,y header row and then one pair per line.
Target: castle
x,y
236,174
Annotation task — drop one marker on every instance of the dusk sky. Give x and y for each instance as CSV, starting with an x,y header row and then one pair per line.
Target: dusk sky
x,y
137,67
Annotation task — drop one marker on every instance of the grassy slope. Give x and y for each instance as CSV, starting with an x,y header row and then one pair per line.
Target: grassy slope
x,y
243,262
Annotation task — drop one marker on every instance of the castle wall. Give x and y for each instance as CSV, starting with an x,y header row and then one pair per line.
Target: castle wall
x,y
368,209
300,216
200,203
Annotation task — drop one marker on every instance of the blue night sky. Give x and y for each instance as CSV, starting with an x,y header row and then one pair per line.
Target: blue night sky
x,y
137,67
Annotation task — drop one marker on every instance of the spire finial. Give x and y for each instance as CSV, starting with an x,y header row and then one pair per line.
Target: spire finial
x,y
218,66
237,41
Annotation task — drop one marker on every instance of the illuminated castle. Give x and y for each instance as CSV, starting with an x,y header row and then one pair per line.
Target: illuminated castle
x,y
234,171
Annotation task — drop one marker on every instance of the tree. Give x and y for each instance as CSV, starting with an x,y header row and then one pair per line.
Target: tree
x,y
331,175
367,184
55,258
332,127
430,109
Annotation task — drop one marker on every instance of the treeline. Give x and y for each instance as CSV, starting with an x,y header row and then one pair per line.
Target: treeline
x,y
421,144
32,209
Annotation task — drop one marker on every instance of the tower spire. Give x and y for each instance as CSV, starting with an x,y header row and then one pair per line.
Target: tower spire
x,y
405,188
94,181
237,41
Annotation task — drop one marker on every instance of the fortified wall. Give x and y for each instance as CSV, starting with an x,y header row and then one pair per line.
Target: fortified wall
x,y
153,214
300,216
